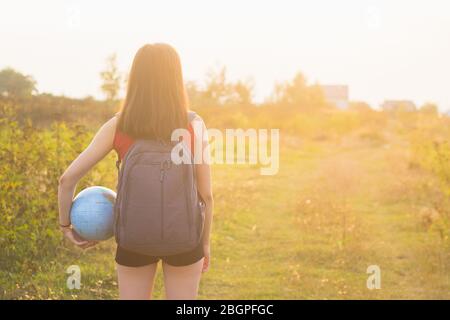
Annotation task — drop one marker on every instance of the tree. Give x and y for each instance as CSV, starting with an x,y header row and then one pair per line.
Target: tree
x,y
111,79
16,85
360,106
242,92
398,106
195,95
217,89
429,108
220,91
299,93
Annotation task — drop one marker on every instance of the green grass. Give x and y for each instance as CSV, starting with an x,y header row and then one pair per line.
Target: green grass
x,y
309,232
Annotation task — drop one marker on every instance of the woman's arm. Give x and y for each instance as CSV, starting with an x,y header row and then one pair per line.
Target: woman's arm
x,y
100,146
204,187
205,190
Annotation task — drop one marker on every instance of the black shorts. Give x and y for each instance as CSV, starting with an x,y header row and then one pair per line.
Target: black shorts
x,y
133,259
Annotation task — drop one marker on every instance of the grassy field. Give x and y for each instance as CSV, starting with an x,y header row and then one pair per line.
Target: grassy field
x,y
310,232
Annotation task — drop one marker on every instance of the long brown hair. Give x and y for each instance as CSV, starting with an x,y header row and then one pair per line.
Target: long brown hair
x,y
156,101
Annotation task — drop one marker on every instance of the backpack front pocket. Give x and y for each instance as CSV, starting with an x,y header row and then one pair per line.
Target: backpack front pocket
x,y
144,210
177,217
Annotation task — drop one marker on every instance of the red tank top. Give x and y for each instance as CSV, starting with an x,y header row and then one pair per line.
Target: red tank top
x,y
122,142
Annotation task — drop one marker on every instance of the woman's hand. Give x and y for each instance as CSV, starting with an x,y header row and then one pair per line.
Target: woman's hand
x,y
76,239
207,257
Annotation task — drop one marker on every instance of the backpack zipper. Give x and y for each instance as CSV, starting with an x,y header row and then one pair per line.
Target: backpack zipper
x,y
126,188
161,180
166,164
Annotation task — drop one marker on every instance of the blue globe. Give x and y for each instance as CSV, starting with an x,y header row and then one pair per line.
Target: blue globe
x,y
92,213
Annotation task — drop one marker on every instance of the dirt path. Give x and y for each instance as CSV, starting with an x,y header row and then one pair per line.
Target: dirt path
x,y
309,232
277,248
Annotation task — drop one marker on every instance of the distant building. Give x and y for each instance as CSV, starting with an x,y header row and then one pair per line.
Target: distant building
x,y
399,105
337,95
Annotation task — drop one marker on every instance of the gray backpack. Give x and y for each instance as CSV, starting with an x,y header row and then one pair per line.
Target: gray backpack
x,y
158,211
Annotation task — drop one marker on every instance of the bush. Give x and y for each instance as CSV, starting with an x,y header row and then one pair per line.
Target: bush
x,y
32,161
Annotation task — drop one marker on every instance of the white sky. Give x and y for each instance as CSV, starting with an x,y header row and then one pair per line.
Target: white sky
x,y
395,49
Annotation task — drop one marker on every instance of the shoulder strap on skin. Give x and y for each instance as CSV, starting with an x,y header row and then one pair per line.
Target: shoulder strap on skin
x,y
191,116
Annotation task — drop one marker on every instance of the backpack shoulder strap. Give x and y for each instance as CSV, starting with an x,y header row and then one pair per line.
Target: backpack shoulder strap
x,y
191,116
